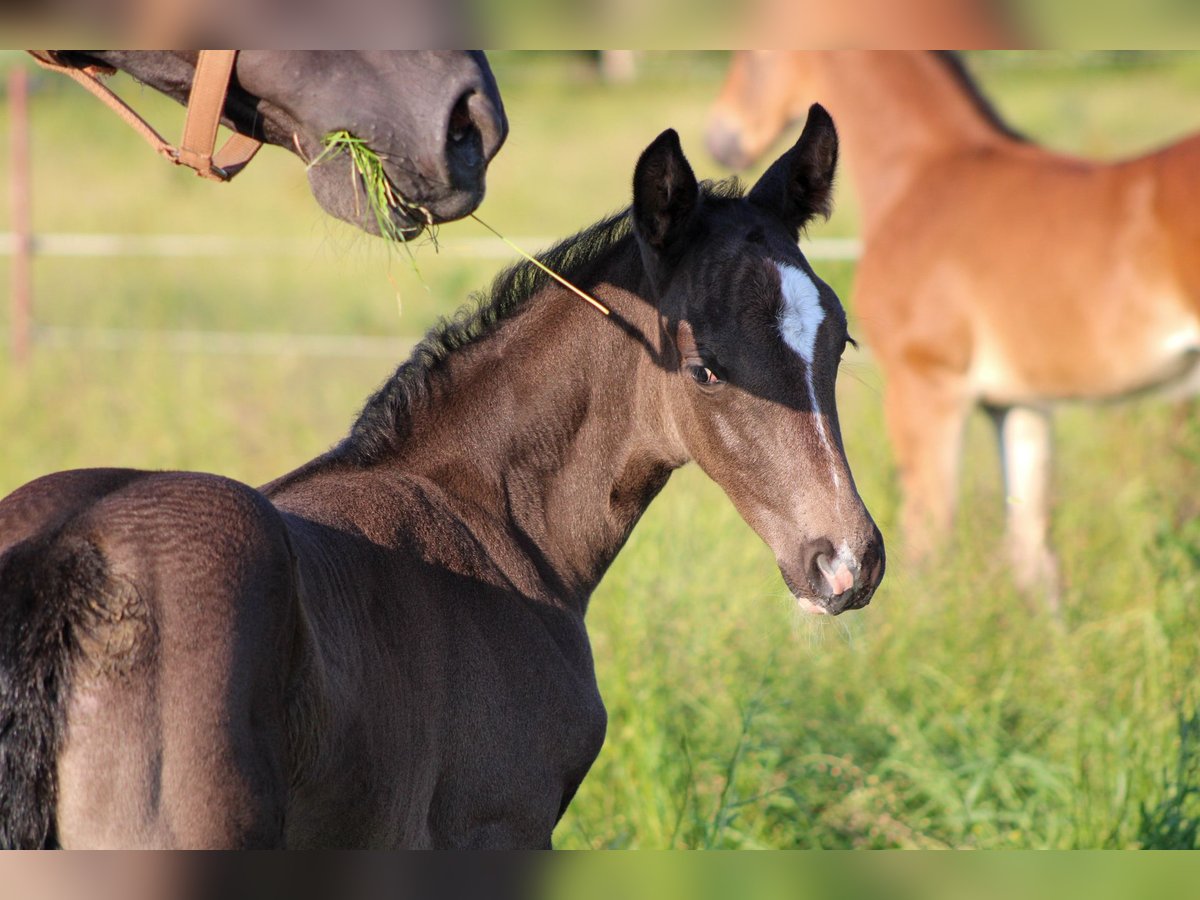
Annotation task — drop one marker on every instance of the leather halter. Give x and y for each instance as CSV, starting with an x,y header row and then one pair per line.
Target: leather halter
x,y
205,102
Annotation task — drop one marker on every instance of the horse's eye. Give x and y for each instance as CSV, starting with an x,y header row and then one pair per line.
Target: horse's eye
x,y
704,375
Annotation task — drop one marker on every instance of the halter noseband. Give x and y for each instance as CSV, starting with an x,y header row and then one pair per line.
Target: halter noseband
x,y
205,102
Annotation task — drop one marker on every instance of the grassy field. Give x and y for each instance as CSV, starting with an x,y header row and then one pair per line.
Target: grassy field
x,y
948,713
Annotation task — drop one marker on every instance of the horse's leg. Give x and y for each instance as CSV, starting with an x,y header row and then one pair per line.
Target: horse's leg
x,y
1025,434
925,418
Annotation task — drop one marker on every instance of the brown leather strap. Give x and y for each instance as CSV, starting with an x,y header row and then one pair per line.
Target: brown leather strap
x,y
89,78
237,152
209,87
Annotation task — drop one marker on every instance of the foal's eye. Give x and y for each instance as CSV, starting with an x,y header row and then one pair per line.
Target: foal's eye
x,y
704,375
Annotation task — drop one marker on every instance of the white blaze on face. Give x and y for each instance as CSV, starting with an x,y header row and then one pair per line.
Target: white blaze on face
x,y
802,314
799,320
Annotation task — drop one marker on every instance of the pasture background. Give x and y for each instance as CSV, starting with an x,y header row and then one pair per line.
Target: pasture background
x,y
948,713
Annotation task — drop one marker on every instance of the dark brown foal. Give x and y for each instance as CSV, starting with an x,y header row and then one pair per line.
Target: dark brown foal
x,y
386,648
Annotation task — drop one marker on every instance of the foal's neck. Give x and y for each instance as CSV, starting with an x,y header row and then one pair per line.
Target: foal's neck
x,y
547,436
900,111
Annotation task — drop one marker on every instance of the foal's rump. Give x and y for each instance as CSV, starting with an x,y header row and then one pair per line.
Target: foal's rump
x,y
134,608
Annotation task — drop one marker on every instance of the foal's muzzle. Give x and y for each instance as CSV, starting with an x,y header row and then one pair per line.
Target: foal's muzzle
x,y
832,580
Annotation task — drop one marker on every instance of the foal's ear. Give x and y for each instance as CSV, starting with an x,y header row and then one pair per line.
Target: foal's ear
x,y
665,193
799,185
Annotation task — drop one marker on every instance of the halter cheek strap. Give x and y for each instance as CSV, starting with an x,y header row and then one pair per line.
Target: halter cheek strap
x,y
205,102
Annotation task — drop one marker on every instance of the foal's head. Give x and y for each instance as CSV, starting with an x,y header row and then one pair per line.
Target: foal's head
x,y
753,342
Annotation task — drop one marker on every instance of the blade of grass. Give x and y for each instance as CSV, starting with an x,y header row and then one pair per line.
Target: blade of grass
x,y
381,196
537,262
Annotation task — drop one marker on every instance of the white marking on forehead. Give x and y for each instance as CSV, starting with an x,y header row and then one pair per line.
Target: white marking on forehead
x,y
801,314
799,320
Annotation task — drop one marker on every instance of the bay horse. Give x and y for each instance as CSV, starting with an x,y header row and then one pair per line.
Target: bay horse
x,y
994,272
434,118
386,647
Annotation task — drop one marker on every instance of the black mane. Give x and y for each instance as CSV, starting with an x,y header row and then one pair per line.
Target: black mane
x,y
958,69
384,418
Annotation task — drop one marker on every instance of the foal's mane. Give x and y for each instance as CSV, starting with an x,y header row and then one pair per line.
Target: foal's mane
x,y
962,76
384,419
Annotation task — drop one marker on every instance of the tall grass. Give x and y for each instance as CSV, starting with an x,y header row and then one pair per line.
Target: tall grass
x,y
949,713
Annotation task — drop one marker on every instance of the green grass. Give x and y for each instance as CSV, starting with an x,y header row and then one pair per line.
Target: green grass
x,y
948,713
378,195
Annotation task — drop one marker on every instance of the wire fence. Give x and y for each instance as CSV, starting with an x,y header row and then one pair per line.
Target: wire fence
x,y
259,343
79,244
222,343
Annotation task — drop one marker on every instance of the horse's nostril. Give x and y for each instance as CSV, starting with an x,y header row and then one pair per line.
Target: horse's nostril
x,y
461,125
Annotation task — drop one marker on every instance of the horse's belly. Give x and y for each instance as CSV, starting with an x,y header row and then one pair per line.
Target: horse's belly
x,y
1166,362
1181,376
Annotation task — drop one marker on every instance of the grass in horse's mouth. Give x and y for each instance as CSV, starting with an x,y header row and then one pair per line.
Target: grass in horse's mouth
x,y
381,196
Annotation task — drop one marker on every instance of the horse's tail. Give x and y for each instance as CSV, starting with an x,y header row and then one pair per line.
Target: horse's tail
x,y
44,584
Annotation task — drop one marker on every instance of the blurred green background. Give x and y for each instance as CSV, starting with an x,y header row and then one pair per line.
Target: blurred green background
x,y
948,713
682,24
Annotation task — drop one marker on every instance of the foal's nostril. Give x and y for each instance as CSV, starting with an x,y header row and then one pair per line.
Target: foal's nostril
x,y
876,574
817,557
839,577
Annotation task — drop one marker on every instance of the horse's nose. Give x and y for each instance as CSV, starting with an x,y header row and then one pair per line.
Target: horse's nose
x,y
475,130
841,579
831,572
725,145
487,114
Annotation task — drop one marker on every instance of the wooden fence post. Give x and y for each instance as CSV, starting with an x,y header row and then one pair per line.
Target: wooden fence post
x,y
21,316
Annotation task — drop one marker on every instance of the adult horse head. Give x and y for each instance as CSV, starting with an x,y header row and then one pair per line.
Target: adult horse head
x,y
434,118
764,92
